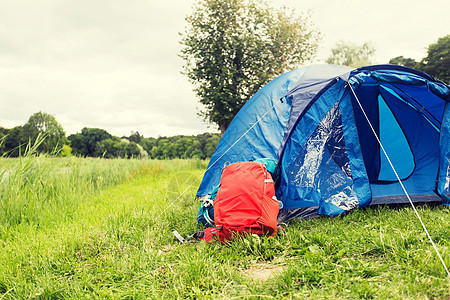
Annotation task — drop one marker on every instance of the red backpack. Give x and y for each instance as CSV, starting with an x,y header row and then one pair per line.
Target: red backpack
x,y
245,201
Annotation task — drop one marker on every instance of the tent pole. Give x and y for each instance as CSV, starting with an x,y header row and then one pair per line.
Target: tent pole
x,y
399,180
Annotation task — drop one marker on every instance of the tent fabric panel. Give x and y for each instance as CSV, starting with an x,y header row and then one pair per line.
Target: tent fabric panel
x,y
393,76
314,171
424,143
399,75
422,137
263,140
443,184
434,117
302,213
333,177
301,103
403,199
317,112
428,102
309,121
301,133
395,68
314,174
354,152
318,74
370,148
395,144
316,79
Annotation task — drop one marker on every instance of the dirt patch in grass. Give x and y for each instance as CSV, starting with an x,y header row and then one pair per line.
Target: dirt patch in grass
x,y
263,271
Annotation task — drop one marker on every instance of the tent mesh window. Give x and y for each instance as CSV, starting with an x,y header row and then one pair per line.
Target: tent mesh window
x,y
321,170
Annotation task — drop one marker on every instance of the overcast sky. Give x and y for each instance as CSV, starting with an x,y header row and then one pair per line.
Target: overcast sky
x,y
113,64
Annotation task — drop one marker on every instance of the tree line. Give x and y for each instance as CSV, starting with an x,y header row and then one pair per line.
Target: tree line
x,y
96,142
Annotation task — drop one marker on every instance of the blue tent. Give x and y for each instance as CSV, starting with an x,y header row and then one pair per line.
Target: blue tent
x,y
330,128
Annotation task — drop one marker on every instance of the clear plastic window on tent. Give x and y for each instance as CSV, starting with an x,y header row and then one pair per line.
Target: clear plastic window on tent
x,y
447,182
321,170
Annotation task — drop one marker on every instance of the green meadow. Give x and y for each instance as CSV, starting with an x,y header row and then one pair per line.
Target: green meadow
x,y
75,228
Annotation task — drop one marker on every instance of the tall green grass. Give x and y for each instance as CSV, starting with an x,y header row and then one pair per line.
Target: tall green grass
x,y
110,244
43,189
116,244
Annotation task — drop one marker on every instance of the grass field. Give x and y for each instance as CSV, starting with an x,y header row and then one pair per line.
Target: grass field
x,y
74,228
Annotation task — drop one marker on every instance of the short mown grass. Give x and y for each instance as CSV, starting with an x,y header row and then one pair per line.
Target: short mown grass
x,y
84,239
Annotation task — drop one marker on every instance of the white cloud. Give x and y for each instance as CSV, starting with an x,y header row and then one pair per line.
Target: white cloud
x,y
400,27
113,65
